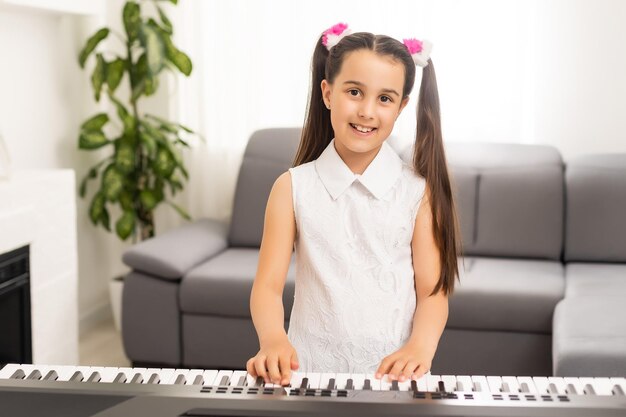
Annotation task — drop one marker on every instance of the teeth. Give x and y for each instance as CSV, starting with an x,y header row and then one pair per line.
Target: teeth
x,y
363,129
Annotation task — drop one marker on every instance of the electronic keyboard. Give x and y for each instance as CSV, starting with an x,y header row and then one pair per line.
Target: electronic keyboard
x,y
77,391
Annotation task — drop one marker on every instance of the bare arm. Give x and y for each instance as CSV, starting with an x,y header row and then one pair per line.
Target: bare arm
x,y
276,356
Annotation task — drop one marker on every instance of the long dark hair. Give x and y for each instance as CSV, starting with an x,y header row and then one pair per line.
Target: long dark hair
x,y
429,158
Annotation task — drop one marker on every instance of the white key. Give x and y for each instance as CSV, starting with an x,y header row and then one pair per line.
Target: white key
x,y
237,375
341,379
358,380
314,379
495,384
511,381
219,380
107,374
211,374
588,381
176,375
432,382
541,383
132,375
404,385
422,383
619,381
296,379
385,383
449,381
64,372
576,383
480,383
194,373
9,369
325,379
375,383
165,375
529,382
560,384
465,383
603,386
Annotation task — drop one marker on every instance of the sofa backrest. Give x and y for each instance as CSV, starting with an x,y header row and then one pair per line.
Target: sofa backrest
x,y
269,153
509,199
596,209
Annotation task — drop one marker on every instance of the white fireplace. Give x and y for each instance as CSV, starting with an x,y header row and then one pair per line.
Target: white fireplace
x,y
38,208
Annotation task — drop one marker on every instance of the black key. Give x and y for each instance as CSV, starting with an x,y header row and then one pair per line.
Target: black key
x,y
571,389
35,375
137,379
242,381
19,374
199,380
305,383
51,376
350,384
258,382
331,383
394,385
505,387
180,380
524,387
589,390
77,377
120,378
441,387
154,379
95,377
552,389
367,385
224,380
414,385
617,390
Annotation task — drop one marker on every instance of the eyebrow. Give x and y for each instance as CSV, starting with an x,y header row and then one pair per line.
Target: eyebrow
x,y
384,90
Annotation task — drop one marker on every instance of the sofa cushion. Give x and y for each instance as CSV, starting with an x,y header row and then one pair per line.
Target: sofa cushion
x,y
590,336
221,286
595,279
269,153
596,203
506,294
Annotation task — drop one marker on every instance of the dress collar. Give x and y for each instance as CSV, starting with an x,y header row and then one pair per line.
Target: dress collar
x,y
380,175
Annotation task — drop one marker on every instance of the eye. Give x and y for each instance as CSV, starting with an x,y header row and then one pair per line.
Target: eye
x,y
389,100
351,90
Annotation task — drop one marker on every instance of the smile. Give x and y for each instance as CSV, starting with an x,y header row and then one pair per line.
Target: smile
x,y
362,129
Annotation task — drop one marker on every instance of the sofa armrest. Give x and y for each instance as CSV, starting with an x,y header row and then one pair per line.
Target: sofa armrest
x,y
172,254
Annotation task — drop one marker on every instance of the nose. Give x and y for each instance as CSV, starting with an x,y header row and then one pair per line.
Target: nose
x,y
366,110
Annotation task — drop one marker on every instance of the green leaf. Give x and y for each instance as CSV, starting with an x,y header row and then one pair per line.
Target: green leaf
x,y
180,60
91,45
126,200
115,72
153,44
167,24
96,122
149,143
127,119
164,163
132,20
112,183
96,208
125,225
148,199
155,133
93,173
180,210
98,76
92,139
125,158
105,219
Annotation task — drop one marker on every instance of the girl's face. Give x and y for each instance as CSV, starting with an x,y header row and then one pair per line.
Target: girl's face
x,y
366,95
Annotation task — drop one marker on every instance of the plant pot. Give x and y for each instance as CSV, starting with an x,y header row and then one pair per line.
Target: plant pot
x,y
116,287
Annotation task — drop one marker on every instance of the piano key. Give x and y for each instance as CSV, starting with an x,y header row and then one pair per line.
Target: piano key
x,y
350,384
358,381
52,375
541,383
441,387
511,381
179,377
463,383
559,383
238,379
394,385
154,379
107,373
165,375
314,379
495,384
77,377
422,383
405,385
18,374
587,384
341,380
120,378
65,372
526,384
576,384
137,378
449,382
367,384
223,377
385,383
94,377
480,383
432,382
619,384
603,386
211,374
375,383
8,370
296,379
325,380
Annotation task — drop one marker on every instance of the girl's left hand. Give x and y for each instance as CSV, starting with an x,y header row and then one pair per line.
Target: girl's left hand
x,y
409,362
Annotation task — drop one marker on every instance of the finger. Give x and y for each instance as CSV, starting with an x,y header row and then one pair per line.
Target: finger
x,y
259,365
285,369
419,372
272,367
384,367
250,368
396,369
408,370
295,363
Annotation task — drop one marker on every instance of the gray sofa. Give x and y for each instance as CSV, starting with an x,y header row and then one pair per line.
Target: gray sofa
x,y
542,286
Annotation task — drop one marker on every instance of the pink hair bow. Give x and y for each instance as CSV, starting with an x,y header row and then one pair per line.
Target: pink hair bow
x,y
334,34
419,50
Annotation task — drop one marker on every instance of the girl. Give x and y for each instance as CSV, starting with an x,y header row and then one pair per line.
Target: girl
x,y
375,239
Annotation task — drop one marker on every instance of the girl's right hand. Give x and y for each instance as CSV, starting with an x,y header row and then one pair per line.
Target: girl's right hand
x,y
274,362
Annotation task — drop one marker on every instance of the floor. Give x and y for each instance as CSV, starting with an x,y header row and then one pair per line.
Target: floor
x,y
102,346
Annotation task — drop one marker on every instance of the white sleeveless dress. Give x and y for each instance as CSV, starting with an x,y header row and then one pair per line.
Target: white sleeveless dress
x,y
355,290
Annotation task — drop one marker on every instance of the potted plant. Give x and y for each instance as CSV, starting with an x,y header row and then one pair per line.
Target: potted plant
x,y
145,150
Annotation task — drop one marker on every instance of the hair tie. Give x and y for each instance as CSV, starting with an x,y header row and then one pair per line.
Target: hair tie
x,y
334,34
419,50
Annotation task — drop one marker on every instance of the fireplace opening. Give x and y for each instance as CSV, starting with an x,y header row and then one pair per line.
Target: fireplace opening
x,y
15,318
